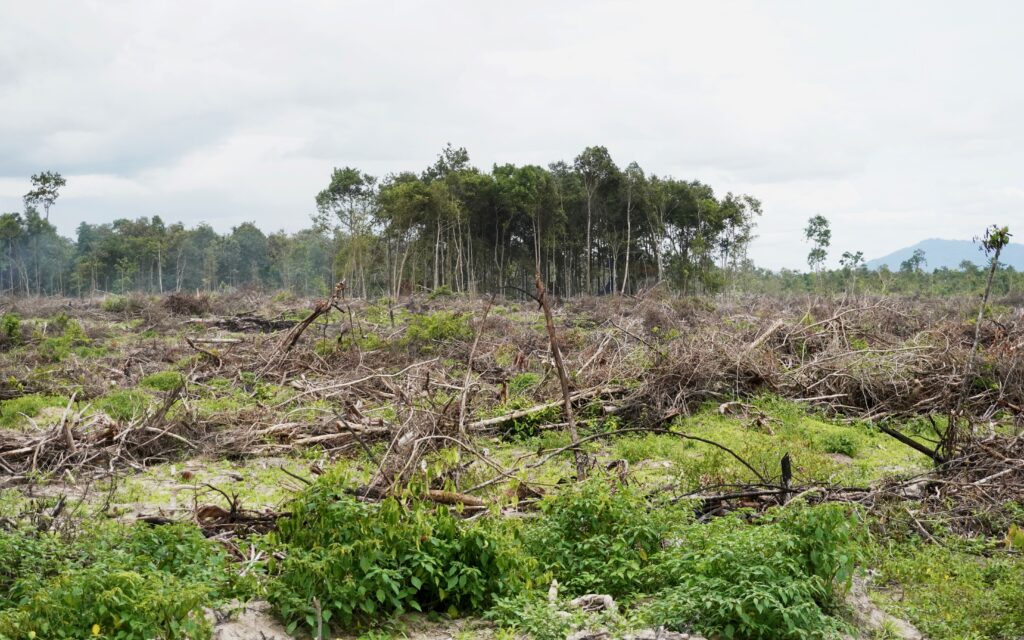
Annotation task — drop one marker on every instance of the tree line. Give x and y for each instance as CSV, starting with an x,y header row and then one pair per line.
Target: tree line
x,y
589,226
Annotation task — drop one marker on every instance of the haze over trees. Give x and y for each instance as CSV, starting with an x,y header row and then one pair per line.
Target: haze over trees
x,y
589,226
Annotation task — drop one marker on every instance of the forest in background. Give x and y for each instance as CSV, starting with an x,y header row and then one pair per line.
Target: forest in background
x,y
589,226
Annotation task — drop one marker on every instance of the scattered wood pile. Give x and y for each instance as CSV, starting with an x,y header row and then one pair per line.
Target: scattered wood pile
x,y
968,493
646,360
870,361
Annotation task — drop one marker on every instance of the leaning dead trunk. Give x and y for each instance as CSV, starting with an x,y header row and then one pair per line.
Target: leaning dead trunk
x,y
563,378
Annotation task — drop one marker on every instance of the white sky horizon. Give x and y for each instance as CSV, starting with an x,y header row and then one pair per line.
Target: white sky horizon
x,y
896,121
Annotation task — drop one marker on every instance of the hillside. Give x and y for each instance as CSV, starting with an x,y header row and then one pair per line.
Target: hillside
x,y
949,253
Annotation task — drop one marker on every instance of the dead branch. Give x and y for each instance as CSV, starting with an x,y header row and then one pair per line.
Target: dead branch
x,y
522,413
469,368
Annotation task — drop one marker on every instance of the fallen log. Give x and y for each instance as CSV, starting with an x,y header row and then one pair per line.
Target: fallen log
x,y
582,462
326,437
522,413
243,323
452,498
293,336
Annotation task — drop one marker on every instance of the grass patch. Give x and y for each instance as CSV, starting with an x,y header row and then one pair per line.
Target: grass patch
x,y
16,411
162,381
126,405
952,594
812,442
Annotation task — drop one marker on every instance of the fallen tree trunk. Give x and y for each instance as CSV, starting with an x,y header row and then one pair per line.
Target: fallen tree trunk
x,y
522,413
452,498
563,378
243,323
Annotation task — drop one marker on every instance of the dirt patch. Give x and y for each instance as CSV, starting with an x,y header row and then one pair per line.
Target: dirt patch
x,y
871,619
252,622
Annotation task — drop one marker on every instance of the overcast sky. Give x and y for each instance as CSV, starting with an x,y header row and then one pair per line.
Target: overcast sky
x,y
898,121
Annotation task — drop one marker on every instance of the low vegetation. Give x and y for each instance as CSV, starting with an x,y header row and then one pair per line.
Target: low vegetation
x,y
747,466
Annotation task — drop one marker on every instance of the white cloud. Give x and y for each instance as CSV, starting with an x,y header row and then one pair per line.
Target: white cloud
x,y
896,121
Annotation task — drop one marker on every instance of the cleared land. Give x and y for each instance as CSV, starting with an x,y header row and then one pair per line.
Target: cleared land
x,y
354,462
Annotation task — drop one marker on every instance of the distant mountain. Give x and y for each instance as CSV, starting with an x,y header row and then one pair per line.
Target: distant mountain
x,y
950,253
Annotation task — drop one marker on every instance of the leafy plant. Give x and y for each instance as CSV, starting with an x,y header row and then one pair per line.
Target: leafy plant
x,y
527,426
365,560
10,330
24,556
776,580
842,443
115,304
531,613
124,304
131,583
443,291
522,382
599,538
126,605
423,331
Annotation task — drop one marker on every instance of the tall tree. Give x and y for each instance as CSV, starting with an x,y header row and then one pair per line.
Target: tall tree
x,y
819,234
347,205
915,263
46,188
992,244
11,230
851,262
634,180
596,168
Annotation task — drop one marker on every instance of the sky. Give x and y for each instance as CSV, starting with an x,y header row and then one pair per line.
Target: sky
x,y
898,121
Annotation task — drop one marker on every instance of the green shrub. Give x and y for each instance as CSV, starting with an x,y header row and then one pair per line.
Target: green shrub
x,y
843,443
124,405
444,291
126,605
180,550
24,555
13,411
73,339
365,560
530,612
600,538
10,330
123,304
366,341
776,580
115,304
136,582
425,330
162,381
523,382
55,349
74,333
528,426
727,578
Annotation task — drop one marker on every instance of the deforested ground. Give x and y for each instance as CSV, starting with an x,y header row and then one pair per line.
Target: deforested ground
x,y
733,467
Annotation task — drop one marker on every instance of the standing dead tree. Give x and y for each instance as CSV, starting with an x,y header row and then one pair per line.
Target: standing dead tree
x,y
469,369
563,377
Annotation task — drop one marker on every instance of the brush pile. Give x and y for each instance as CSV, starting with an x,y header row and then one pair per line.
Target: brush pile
x,y
971,494
872,360
646,360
